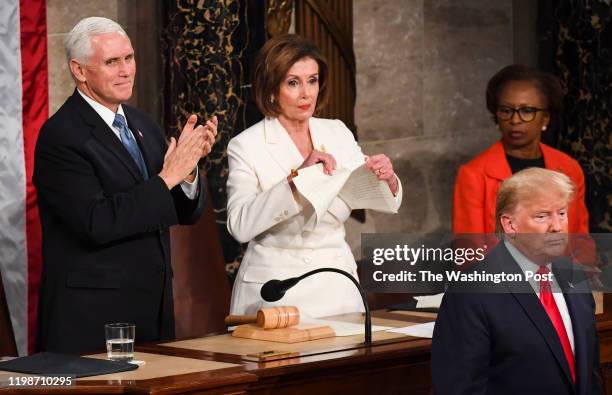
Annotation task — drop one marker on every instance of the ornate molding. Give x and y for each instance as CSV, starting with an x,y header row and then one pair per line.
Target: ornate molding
x,y
278,17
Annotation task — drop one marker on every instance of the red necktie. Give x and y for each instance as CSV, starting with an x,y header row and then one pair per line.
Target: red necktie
x,y
548,301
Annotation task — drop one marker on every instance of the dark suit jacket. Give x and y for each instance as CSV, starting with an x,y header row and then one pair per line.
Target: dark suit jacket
x,y
504,342
106,245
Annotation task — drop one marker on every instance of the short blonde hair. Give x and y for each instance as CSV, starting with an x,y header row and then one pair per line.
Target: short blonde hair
x,y
528,184
273,62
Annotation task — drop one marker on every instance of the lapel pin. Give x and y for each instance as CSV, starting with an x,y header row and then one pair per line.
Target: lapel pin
x,y
570,284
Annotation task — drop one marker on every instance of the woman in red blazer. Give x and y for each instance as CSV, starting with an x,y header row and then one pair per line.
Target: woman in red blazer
x,y
523,103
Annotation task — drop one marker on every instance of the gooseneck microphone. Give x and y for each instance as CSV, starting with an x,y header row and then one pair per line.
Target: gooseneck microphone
x,y
274,290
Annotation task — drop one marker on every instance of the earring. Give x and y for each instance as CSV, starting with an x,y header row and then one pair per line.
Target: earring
x,y
544,128
497,126
272,100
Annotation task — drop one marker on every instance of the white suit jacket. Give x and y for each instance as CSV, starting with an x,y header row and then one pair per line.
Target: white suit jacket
x,y
262,211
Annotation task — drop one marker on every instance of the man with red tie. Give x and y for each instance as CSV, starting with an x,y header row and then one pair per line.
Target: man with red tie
x,y
532,336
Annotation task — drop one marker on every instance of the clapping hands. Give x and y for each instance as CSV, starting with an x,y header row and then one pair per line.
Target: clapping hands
x,y
182,156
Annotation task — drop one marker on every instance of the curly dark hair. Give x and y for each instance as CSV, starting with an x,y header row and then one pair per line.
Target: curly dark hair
x,y
548,85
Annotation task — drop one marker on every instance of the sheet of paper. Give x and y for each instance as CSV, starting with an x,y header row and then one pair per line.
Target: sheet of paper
x,y
419,330
364,190
358,188
319,188
344,328
429,301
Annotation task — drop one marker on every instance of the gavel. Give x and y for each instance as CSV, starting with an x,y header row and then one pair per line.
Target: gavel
x,y
268,318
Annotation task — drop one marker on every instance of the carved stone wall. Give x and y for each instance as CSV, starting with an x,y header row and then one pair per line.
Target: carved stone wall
x,y
422,68
61,18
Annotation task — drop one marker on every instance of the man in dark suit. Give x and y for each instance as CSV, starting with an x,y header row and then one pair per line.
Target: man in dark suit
x,y
521,337
109,187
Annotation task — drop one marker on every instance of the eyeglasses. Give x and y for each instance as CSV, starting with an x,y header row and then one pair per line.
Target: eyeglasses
x,y
526,114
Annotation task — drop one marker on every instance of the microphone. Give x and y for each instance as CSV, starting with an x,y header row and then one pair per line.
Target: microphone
x,y
274,290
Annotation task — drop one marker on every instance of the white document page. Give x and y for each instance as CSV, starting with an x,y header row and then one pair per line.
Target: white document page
x,y
319,188
358,188
344,328
429,301
364,190
419,330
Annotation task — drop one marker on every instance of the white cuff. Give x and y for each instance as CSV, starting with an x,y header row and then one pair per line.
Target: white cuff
x,y
190,189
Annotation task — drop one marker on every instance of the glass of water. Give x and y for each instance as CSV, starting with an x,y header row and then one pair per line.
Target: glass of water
x,y
120,341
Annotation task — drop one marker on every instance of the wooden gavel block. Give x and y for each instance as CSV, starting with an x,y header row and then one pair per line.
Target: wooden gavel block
x,y
278,324
268,318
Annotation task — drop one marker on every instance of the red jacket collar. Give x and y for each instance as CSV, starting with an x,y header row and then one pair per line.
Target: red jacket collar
x,y
496,165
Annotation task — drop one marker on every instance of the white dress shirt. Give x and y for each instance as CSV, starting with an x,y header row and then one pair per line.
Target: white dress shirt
x,y
189,188
527,265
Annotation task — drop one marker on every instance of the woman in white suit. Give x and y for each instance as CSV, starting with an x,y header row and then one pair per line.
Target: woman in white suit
x,y
266,209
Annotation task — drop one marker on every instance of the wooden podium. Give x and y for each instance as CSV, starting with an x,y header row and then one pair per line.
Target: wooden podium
x,y
395,363
222,364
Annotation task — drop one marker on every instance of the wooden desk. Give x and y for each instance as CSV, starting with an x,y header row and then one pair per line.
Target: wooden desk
x,y
326,366
394,364
161,374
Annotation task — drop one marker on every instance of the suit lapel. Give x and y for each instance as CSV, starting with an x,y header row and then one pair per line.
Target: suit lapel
x,y
112,143
574,294
497,165
104,135
534,309
280,146
551,159
320,138
580,342
532,306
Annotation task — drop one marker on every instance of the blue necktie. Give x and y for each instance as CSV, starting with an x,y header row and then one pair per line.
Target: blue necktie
x,y
130,144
